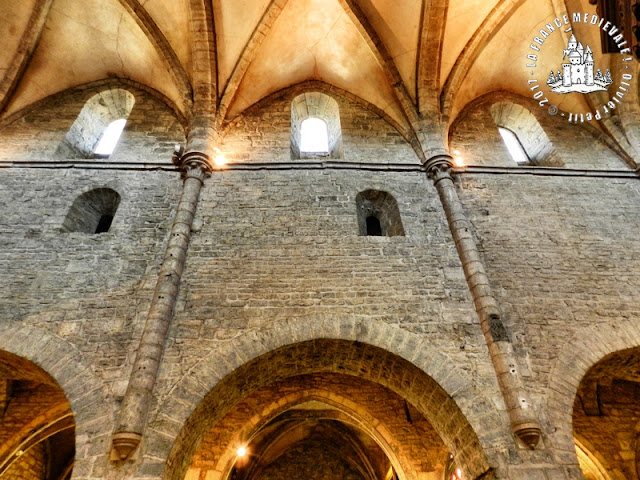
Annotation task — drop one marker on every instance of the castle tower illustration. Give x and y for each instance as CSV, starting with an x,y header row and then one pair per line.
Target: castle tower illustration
x,y
577,71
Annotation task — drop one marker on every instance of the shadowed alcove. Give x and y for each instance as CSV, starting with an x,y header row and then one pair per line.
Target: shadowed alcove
x,y
37,438
375,415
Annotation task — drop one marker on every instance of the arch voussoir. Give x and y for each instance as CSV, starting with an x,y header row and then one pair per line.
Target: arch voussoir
x,y
433,383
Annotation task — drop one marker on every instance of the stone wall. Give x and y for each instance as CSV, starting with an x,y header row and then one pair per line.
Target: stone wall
x,y
475,134
283,247
264,134
38,133
30,466
560,255
91,289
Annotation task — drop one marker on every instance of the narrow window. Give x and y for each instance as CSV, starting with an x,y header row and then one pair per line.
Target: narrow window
x,y
107,143
378,214
104,224
514,146
315,127
374,229
314,136
524,137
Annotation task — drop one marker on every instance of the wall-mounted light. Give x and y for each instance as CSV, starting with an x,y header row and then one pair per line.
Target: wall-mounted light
x,y
219,159
458,161
242,451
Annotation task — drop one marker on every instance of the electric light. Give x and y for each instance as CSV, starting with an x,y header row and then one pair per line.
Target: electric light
x,y
219,159
242,451
458,162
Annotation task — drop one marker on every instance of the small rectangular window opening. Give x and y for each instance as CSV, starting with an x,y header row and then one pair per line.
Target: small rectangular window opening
x,y
104,224
374,229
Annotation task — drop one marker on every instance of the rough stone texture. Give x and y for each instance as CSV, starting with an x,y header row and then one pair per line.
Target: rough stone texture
x,y
150,134
316,105
264,135
369,408
276,263
475,134
31,404
314,461
30,466
92,121
606,412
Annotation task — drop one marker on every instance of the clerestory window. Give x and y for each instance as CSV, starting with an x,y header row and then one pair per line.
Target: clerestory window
x,y
516,150
110,137
314,136
315,127
99,125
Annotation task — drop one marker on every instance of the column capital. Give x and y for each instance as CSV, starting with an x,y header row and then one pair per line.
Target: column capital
x,y
193,164
439,167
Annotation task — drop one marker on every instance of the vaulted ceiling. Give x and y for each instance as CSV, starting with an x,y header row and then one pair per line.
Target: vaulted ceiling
x,y
408,58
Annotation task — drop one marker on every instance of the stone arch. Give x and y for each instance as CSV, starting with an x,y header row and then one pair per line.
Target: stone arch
x,y
344,409
83,390
433,380
96,115
384,208
591,463
92,211
89,89
589,347
310,86
529,132
315,105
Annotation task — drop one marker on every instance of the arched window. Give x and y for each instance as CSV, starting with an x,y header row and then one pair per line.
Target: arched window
x,y
314,137
110,137
517,123
315,126
378,214
100,121
92,212
514,146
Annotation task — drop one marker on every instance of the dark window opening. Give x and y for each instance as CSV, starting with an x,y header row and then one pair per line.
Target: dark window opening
x,y
374,229
92,212
378,214
104,224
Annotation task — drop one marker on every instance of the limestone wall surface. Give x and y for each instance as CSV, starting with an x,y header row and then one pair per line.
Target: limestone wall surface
x,y
283,247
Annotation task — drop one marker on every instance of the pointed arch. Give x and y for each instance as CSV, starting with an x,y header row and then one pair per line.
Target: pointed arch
x,y
97,87
23,55
407,133
498,16
431,379
432,30
589,346
330,403
66,365
162,46
259,34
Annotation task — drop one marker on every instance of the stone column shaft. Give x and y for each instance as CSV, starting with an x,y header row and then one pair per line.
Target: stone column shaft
x,y
137,399
523,419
